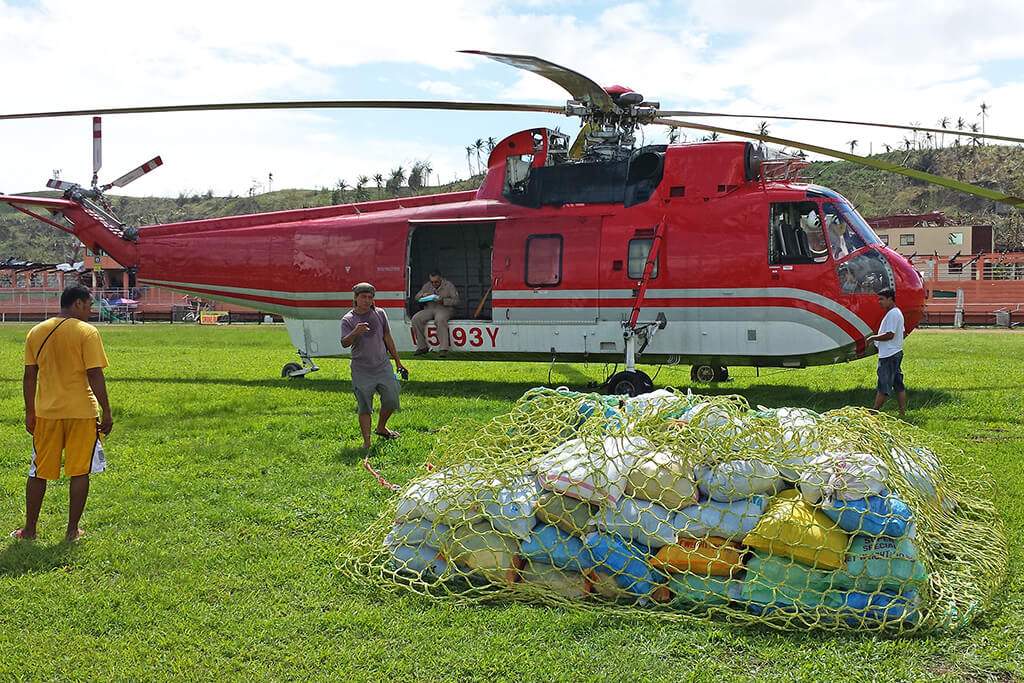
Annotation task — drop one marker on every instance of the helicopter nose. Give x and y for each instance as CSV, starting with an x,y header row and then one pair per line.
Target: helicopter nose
x,y
910,289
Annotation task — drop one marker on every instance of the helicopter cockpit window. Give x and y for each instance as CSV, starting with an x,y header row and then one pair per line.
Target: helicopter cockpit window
x,y
795,234
517,173
866,273
639,250
847,231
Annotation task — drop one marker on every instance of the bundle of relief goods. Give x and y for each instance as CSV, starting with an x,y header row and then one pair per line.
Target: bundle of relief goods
x,y
695,507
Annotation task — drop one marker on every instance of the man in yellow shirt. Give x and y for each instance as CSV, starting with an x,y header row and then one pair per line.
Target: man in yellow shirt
x,y
64,391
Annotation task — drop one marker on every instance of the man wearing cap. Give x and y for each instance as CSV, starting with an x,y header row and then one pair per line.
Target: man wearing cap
x,y
365,330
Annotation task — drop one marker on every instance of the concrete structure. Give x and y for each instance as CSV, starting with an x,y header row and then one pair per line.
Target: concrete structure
x,y
932,233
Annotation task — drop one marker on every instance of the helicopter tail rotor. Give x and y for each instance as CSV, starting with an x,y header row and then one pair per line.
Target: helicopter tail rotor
x,y
97,148
135,173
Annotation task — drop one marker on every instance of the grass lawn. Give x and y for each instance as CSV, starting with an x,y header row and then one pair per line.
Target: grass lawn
x,y
214,538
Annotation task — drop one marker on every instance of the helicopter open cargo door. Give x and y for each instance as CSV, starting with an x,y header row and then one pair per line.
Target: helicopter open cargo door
x,y
461,251
545,270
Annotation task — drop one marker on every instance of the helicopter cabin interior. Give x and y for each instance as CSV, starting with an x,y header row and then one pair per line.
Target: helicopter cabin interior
x,y
462,252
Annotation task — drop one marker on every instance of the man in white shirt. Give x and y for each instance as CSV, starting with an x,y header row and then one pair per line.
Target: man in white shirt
x,y
889,341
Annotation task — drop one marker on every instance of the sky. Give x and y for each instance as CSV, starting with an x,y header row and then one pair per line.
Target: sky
x,y
899,62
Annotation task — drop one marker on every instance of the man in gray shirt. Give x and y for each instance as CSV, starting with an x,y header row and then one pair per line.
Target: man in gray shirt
x,y
365,330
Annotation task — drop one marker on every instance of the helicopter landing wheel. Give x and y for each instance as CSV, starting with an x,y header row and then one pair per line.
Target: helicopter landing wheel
x,y
706,374
289,368
630,383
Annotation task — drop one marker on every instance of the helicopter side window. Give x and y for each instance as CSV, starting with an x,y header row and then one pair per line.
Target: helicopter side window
x,y
543,260
795,234
639,250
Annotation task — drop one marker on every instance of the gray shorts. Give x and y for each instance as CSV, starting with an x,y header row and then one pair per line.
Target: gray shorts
x,y
382,382
890,375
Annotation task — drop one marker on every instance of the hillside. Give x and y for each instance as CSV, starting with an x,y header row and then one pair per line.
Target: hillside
x,y
877,193
873,192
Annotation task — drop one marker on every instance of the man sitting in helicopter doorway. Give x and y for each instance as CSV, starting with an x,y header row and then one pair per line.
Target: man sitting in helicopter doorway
x,y
440,298
889,341
365,330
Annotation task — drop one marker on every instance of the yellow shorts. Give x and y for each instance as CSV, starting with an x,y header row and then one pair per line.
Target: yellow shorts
x,y
78,439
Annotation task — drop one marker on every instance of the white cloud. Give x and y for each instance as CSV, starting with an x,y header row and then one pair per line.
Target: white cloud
x,y
890,61
442,88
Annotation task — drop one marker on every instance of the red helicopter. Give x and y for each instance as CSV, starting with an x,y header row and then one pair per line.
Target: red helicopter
x,y
596,249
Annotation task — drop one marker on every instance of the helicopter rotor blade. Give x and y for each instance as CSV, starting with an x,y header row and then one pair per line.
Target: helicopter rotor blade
x,y
875,124
863,161
97,146
301,104
578,85
135,173
61,185
580,143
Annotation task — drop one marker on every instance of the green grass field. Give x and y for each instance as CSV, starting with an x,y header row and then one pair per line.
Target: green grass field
x,y
214,539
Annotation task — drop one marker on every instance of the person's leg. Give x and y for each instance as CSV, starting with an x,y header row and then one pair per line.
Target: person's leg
x,y
363,391
35,489
901,400
897,383
47,446
884,387
365,422
389,403
79,493
441,317
419,323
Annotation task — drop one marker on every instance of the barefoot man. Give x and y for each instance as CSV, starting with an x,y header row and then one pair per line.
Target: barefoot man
x,y
889,341
365,330
64,391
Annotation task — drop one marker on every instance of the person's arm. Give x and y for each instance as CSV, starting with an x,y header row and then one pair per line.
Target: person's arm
x,y
881,336
424,290
350,333
99,389
28,389
451,297
389,344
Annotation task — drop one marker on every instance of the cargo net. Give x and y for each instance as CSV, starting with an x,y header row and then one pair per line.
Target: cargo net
x,y
695,507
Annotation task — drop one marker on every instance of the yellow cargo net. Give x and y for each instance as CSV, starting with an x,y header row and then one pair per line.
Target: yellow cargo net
x,y
694,507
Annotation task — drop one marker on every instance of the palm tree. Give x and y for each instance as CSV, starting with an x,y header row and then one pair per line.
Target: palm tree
x,y
944,124
853,145
673,136
763,128
975,141
960,123
888,147
983,113
491,143
929,137
469,162
908,144
395,180
427,170
361,194
378,179
478,147
915,124
714,136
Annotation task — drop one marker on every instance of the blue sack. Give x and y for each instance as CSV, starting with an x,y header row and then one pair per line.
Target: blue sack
x,y
418,560
417,532
874,516
625,561
860,609
731,521
551,545
641,520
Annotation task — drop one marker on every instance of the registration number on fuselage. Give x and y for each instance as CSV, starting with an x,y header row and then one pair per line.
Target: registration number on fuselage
x,y
473,337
